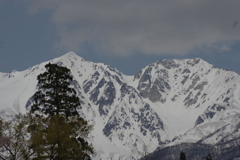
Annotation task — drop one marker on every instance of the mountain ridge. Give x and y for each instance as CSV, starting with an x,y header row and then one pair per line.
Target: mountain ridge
x,y
166,103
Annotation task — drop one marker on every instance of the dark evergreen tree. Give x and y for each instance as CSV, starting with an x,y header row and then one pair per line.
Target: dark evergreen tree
x,y
61,134
209,157
182,156
54,95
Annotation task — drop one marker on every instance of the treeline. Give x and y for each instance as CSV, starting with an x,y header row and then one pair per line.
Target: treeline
x,y
52,129
197,151
183,156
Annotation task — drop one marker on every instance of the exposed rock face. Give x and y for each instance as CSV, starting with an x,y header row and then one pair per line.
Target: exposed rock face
x,y
166,103
153,83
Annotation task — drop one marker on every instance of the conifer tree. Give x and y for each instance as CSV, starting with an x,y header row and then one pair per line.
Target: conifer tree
x,y
54,95
182,156
61,133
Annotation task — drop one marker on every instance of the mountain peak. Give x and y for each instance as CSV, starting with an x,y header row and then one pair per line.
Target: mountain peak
x,y
188,61
70,54
175,63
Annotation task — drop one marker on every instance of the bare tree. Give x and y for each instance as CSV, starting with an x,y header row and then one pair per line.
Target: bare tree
x,y
14,142
145,154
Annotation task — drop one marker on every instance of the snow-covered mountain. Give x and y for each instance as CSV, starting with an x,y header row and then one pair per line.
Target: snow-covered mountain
x,y
167,103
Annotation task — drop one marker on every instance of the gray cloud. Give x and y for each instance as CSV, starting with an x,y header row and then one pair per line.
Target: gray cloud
x,y
1,1
150,27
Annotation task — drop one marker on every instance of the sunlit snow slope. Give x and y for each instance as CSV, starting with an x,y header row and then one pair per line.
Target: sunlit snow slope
x,y
166,103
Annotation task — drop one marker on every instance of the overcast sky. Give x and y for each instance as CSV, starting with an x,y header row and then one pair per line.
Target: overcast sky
x,y
127,35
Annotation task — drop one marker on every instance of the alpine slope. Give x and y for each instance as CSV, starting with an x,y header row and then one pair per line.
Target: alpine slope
x,y
167,103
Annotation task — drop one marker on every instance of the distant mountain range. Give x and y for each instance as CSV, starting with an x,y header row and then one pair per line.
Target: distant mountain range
x,y
168,103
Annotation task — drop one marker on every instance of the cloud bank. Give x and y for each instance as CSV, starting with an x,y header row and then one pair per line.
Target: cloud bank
x,y
149,27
